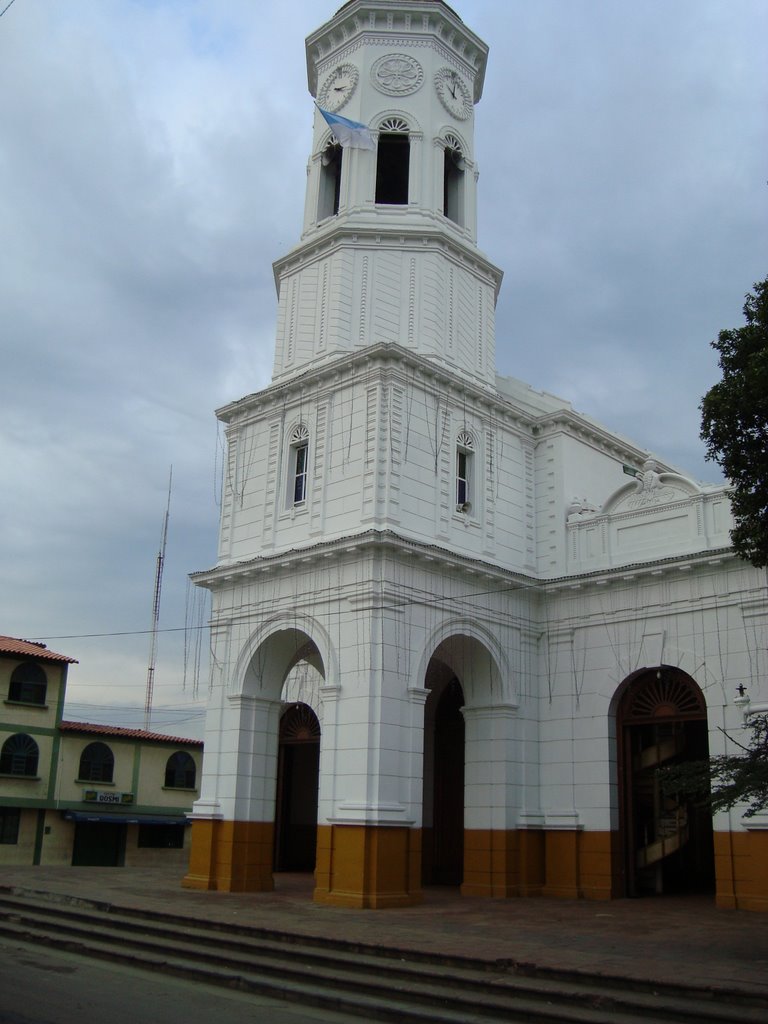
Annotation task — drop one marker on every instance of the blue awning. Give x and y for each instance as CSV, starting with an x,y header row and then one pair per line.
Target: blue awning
x,y
126,819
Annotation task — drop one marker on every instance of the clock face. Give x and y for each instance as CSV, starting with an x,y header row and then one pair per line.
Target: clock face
x,y
454,93
338,87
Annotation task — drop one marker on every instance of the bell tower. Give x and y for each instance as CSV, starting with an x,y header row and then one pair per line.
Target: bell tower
x,y
388,252
362,484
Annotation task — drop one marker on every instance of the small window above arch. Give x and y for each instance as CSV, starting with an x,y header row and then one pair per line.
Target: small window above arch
x,y
393,160
29,684
298,466
465,448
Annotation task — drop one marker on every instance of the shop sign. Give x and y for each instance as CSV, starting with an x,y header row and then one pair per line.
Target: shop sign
x,y
101,796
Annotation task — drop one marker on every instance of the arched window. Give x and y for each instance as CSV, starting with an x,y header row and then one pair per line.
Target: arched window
x,y
97,763
453,179
180,771
19,756
298,465
330,180
393,162
29,684
464,455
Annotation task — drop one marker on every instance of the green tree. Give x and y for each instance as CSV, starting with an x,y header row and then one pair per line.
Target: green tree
x,y
726,779
734,424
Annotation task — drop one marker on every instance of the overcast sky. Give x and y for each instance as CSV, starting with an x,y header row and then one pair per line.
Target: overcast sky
x,y
152,166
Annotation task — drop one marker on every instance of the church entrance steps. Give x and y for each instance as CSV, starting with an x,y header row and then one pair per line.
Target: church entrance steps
x,y
363,980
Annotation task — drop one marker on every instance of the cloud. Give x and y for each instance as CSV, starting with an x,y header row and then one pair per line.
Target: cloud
x,y
152,166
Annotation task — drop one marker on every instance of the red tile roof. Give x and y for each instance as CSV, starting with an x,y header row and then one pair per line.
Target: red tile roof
x,y
129,734
30,649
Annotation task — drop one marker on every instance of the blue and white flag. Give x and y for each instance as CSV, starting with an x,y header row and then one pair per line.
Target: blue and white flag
x,y
349,133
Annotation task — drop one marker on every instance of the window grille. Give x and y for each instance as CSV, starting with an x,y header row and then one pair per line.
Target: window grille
x,y
29,684
97,763
19,756
180,771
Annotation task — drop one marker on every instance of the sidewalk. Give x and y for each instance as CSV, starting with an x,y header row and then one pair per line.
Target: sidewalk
x,y
682,940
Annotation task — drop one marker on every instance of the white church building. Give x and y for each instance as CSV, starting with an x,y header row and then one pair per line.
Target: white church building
x,y
456,625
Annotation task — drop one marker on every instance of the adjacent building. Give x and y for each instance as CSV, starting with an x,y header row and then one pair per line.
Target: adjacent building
x,y
77,793
457,625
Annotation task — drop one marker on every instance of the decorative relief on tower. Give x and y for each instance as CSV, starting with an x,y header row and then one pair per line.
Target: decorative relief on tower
x,y
412,303
270,488
394,123
322,311
369,473
397,74
319,467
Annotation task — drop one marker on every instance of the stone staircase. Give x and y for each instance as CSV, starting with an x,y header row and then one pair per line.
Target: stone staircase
x,y
367,982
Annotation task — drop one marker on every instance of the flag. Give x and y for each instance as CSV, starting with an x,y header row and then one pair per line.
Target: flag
x,y
349,133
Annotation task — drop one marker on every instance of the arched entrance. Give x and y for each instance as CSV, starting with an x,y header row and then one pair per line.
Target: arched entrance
x,y
667,844
444,860
297,784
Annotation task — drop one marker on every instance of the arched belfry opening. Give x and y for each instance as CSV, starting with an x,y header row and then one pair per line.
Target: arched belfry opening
x,y
667,844
454,173
393,162
297,785
330,180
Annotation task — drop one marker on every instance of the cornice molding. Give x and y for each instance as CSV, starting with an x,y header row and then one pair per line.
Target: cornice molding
x,y
396,24
389,542
427,234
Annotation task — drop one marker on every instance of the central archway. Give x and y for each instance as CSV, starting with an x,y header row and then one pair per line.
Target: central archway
x,y
443,837
297,785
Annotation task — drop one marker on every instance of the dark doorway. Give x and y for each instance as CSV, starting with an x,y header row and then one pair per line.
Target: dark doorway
x,y
667,842
297,782
447,836
392,168
99,844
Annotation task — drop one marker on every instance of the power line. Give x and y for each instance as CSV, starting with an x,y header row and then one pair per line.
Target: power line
x,y
505,588
6,8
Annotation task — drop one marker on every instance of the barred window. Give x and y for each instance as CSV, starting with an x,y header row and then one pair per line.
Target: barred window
x,y
29,684
19,756
97,763
9,825
180,771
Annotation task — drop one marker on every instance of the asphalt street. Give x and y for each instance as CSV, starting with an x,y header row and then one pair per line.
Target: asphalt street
x,y
42,986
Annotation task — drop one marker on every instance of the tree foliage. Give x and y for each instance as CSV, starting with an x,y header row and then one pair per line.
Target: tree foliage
x,y
734,424
726,779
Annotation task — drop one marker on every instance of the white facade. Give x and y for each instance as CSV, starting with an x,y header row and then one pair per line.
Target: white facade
x,y
413,526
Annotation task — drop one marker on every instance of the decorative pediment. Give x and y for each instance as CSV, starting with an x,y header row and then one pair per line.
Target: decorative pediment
x,y
650,489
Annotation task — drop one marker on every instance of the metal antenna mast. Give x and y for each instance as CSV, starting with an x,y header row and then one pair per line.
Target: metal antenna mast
x,y
156,610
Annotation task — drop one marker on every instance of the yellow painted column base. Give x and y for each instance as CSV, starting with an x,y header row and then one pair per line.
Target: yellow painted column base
x,y
503,863
741,870
231,856
368,866
563,864
580,865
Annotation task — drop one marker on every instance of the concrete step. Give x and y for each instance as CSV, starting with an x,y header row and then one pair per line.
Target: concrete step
x,y
361,980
